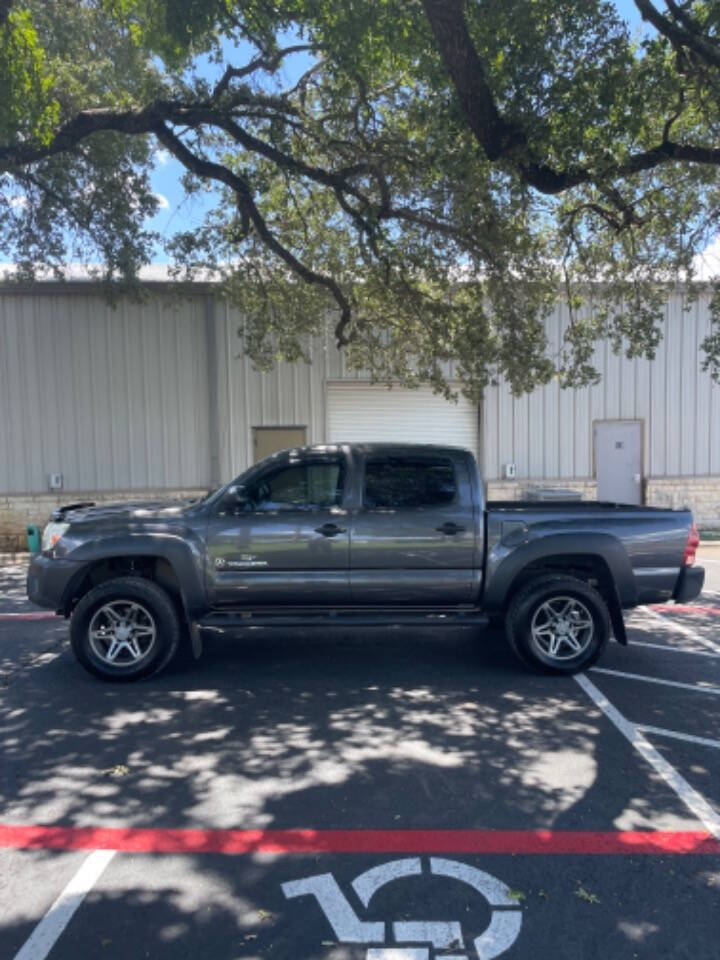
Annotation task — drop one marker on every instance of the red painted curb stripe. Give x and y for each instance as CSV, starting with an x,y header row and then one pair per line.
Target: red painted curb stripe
x,y
39,615
139,840
686,608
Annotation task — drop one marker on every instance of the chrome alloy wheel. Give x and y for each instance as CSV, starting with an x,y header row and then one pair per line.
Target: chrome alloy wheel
x,y
562,628
122,633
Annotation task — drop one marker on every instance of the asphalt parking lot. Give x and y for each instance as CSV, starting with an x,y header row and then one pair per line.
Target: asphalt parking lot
x,y
389,795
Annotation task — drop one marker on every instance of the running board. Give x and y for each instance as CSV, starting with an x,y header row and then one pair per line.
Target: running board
x,y
221,622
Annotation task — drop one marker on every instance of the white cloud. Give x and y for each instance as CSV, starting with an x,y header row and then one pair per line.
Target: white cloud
x,y
18,201
162,156
163,202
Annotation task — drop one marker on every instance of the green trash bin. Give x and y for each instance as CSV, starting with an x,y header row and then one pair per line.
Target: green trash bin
x,y
33,539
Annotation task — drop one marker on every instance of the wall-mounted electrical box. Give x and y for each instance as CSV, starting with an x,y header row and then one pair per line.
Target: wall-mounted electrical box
x,y
55,481
509,471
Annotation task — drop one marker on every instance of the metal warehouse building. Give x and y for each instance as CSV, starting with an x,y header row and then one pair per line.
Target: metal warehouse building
x,y
113,402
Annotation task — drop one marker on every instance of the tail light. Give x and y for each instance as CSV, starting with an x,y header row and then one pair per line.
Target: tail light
x,y
693,542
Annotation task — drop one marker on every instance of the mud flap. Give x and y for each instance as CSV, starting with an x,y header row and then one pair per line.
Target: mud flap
x,y
616,617
196,640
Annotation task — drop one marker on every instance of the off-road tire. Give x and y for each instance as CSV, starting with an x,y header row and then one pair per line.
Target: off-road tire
x,y
530,598
154,600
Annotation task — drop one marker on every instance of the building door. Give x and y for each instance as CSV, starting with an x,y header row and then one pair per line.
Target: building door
x,y
618,460
361,412
268,440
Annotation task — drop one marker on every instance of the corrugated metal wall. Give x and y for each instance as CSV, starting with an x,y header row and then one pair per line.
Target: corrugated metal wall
x,y
548,434
114,398
158,394
292,395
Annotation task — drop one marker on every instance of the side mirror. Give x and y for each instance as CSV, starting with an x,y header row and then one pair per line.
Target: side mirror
x,y
236,498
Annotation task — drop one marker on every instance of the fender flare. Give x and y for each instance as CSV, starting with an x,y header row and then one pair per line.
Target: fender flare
x,y
604,546
180,552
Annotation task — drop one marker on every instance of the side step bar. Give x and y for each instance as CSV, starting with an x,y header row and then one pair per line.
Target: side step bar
x,y
221,622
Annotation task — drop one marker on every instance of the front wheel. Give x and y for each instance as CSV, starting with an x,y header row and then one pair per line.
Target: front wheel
x,y
125,629
558,624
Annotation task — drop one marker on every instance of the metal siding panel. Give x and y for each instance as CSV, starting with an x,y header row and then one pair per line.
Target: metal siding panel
x,y
688,384
613,384
120,412
657,464
152,380
702,391
642,409
536,434
673,397
318,374
715,428
17,471
6,452
582,434
32,408
99,336
491,420
505,426
627,375
83,397
552,428
223,387
521,437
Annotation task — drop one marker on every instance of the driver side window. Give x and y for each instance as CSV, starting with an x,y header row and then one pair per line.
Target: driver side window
x,y
300,486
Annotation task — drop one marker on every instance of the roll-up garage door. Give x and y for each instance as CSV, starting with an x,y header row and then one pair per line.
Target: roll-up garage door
x,y
363,413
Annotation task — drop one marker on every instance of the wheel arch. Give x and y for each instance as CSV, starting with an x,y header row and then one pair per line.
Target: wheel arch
x,y
170,570
598,559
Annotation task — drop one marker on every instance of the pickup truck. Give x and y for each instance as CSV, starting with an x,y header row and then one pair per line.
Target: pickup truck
x,y
357,534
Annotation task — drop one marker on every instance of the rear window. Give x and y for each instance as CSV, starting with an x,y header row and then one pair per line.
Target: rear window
x,y
403,483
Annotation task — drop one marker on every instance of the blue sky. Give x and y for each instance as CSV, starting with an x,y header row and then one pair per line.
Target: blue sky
x,y
179,212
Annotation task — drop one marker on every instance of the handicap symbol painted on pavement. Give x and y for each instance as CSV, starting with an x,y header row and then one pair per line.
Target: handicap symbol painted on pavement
x,y
505,922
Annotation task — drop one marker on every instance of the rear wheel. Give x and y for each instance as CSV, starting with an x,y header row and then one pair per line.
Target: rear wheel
x,y
125,629
558,624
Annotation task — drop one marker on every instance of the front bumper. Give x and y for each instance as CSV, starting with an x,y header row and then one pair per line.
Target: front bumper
x,y
689,584
48,579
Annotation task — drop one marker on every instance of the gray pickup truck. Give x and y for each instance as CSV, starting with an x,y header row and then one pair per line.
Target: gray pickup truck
x,y
357,534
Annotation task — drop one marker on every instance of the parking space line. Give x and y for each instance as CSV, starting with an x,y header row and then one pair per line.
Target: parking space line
x,y
694,801
31,615
681,628
697,609
305,842
715,691
676,735
665,646
44,936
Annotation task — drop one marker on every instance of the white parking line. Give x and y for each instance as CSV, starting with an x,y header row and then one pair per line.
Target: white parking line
x,y
676,735
681,628
45,935
715,691
665,646
696,803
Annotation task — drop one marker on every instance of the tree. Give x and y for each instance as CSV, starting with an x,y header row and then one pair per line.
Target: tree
x,y
431,176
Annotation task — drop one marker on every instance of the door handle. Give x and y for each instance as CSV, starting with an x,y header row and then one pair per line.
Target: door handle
x,y
450,528
329,529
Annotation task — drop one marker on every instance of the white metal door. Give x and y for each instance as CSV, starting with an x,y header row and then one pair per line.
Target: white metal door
x,y
364,412
618,460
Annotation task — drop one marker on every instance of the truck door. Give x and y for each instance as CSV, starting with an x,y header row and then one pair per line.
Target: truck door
x,y
285,539
412,541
